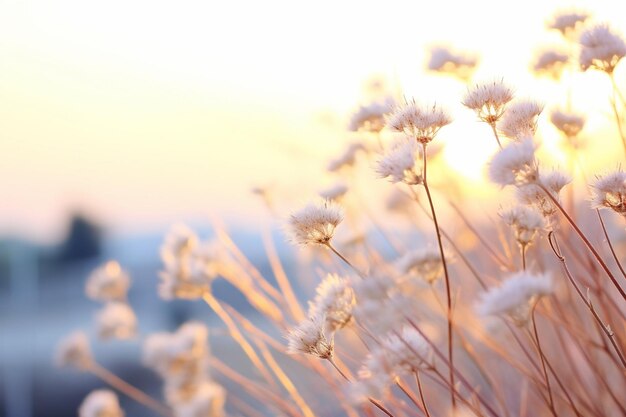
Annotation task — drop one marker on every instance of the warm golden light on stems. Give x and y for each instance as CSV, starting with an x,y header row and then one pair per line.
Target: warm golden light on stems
x,y
126,388
446,277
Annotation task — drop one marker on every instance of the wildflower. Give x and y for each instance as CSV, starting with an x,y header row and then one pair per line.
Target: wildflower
x,y
408,350
417,122
335,192
609,191
348,158
424,263
100,403
601,49
74,351
532,194
516,296
567,22
399,163
570,124
488,100
116,321
309,337
108,282
551,63
520,119
515,164
447,61
525,223
177,354
334,302
207,401
315,223
371,117
190,265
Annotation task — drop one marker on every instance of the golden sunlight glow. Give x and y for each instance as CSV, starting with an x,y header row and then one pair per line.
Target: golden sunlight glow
x,y
146,112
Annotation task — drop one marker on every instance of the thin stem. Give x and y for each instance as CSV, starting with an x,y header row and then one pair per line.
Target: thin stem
x,y
421,391
586,300
495,133
543,362
373,401
126,388
608,241
523,252
447,279
336,252
409,394
618,120
584,239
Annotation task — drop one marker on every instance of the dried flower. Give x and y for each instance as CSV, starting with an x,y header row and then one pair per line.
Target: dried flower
x,y
570,124
516,296
399,163
525,223
116,321
418,122
520,119
371,118
515,164
444,60
551,63
567,22
74,351
334,192
315,223
609,191
108,282
425,263
488,100
207,401
348,158
309,337
601,49
100,403
533,195
190,265
334,302
177,354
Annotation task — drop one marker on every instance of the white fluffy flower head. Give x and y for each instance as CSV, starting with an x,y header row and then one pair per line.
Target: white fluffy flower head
x,y
116,320
420,123
488,100
569,123
333,302
601,49
609,191
400,163
525,222
567,22
444,60
315,223
520,119
371,117
309,337
100,403
108,282
533,195
74,351
515,164
515,297
348,158
550,62
335,192
424,263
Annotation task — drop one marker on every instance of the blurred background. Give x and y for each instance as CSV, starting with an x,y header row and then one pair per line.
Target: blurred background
x,y
120,118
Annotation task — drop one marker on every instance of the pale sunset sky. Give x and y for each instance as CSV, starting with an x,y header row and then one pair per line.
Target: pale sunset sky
x,y
148,112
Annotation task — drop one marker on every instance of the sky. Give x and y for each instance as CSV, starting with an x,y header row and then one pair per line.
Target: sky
x,y
144,113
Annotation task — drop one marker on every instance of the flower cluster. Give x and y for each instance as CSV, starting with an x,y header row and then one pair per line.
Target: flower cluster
x,y
371,118
420,123
609,191
400,163
488,100
315,223
444,60
601,49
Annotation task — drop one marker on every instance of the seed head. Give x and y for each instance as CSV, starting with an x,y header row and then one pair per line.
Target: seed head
x,y
601,49
315,223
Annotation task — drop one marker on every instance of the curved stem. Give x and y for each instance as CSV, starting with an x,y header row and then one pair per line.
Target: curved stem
x,y
447,280
584,239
